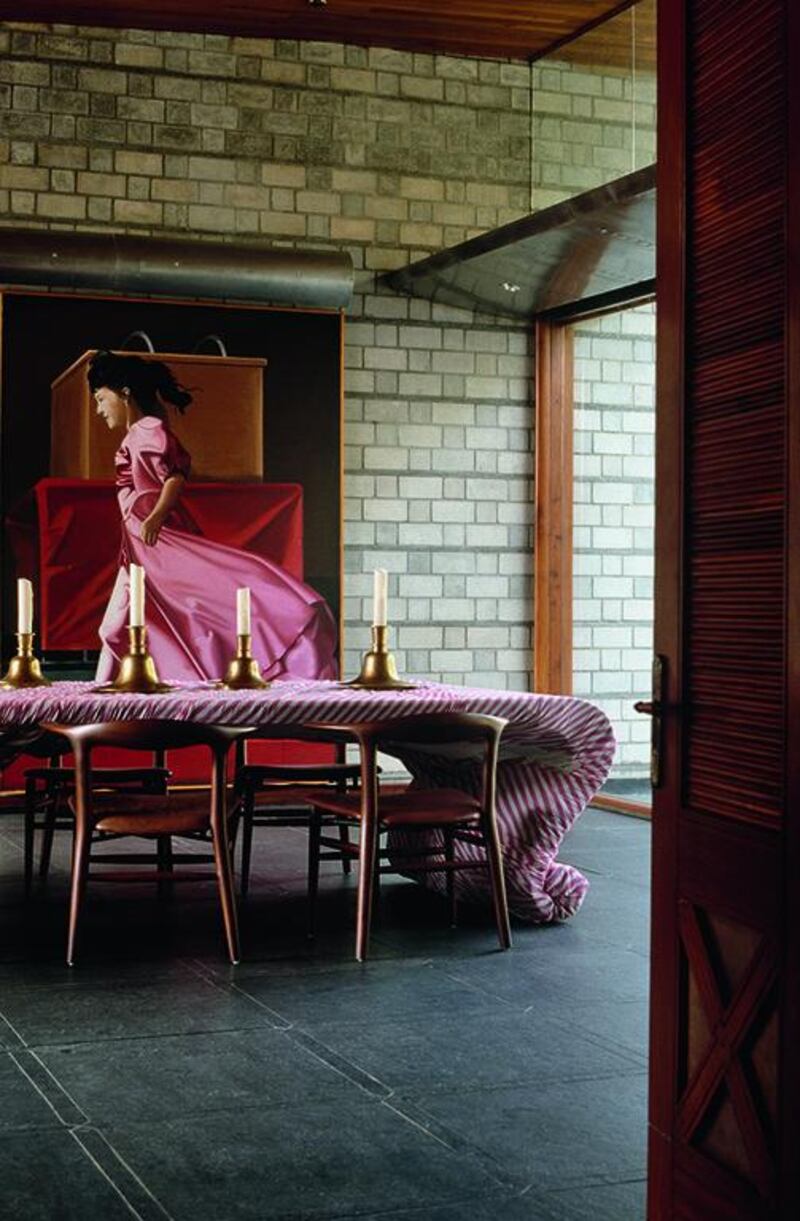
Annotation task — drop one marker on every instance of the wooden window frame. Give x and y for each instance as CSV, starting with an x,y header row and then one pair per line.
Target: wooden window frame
x,y
553,498
552,581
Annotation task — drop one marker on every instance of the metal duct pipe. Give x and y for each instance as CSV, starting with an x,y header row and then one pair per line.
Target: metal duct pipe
x,y
120,263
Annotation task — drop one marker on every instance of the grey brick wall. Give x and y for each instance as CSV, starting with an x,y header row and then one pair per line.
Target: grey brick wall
x,y
389,154
614,523
592,121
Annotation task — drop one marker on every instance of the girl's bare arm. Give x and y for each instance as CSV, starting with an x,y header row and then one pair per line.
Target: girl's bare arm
x,y
170,495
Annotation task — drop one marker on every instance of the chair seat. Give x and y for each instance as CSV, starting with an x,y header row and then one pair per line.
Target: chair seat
x,y
408,807
287,795
172,813
101,776
299,773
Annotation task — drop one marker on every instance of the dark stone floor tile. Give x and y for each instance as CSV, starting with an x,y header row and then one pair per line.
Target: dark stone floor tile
x,y
331,1160
364,992
559,1135
500,1207
619,921
562,974
23,1105
626,862
496,1048
80,1012
9,1039
50,1178
622,1024
602,1202
133,1080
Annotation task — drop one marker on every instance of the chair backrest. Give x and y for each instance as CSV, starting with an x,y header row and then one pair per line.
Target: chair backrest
x,y
424,730
149,734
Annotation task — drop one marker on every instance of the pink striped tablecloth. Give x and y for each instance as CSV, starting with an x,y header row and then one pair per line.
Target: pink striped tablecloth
x,y
556,753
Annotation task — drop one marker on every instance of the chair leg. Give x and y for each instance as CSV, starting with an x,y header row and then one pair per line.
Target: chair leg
x,y
494,861
222,856
344,840
247,841
81,849
314,832
368,841
48,835
450,875
165,865
30,827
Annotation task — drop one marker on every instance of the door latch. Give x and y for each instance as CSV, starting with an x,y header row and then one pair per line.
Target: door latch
x,y
654,707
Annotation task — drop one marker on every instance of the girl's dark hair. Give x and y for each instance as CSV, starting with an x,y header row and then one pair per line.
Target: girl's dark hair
x,y
151,382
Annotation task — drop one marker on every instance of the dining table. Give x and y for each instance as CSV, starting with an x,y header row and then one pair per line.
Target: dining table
x,y
556,752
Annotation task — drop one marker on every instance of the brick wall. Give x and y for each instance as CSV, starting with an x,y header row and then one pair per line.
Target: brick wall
x,y
389,154
593,121
614,522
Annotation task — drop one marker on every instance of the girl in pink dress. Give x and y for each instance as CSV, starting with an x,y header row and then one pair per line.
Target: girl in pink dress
x,y
191,581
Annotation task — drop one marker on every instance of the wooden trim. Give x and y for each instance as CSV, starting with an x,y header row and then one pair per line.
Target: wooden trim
x,y
670,389
618,805
612,302
789,1052
552,590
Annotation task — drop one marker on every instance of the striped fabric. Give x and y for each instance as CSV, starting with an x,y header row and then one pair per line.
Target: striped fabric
x,y
556,753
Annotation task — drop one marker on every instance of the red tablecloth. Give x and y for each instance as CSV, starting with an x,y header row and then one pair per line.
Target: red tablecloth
x,y
65,536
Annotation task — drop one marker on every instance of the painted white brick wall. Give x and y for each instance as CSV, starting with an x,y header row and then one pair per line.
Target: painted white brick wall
x,y
439,469
614,520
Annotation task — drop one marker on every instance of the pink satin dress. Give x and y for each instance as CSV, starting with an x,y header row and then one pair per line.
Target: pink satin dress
x,y
191,583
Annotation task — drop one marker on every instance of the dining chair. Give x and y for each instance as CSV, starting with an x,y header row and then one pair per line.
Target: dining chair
x,y
150,815
49,787
426,824
280,795
31,741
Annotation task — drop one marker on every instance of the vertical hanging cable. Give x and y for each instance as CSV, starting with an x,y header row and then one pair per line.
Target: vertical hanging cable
x,y
532,176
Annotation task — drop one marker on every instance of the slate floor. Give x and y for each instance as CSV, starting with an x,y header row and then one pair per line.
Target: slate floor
x,y
442,1081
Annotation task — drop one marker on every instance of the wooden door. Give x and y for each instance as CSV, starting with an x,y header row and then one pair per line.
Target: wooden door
x,y
725,1075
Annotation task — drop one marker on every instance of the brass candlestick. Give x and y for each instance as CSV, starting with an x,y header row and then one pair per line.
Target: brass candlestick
x,y
378,668
243,670
137,670
24,669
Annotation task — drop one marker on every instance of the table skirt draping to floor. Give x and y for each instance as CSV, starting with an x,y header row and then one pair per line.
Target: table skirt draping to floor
x,y
556,753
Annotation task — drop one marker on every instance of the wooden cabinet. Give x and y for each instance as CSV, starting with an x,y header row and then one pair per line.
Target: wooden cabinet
x,y
223,428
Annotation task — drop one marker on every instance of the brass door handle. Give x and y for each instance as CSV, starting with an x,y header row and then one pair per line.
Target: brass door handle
x,y
648,707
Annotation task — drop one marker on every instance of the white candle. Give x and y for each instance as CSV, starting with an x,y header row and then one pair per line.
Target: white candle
x,y
24,605
136,575
379,583
243,612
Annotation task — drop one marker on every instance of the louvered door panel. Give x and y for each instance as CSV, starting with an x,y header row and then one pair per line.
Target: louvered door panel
x,y
725,993
736,448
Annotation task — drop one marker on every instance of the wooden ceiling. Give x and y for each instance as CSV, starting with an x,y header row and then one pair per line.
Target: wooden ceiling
x,y
514,29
